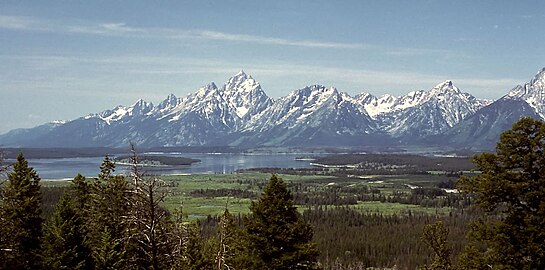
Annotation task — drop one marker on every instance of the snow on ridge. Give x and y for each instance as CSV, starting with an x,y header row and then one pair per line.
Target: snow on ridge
x,y
533,93
58,122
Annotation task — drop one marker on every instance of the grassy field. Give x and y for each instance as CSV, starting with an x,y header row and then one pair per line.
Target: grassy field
x,y
201,207
198,207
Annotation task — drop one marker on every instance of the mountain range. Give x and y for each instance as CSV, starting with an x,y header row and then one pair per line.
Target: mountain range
x,y
240,113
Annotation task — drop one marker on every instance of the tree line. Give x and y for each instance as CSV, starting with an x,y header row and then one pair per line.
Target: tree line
x,y
118,222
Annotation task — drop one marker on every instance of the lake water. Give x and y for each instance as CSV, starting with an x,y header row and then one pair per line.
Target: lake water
x,y
61,168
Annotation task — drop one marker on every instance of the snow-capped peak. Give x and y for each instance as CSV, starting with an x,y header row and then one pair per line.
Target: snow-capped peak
x,y
244,95
314,94
241,82
539,79
374,105
241,75
445,88
445,84
206,90
532,93
170,102
141,106
441,107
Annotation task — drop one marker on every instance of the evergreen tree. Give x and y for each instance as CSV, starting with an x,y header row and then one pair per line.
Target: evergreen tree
x,y
65,243
278,236
194,257
511,188
108,217
21,223
435,236
108,252
81,194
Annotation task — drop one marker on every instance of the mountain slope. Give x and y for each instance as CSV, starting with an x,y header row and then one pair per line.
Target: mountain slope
x,y
420,114
482,129
25,136
204,117
312,116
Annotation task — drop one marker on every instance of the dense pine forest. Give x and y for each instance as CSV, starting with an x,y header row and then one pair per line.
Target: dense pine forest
x,y
124,221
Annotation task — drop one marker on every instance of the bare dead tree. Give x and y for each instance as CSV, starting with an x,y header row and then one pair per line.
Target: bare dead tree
x,y
135,173
3,167
223,249
179,238
148,218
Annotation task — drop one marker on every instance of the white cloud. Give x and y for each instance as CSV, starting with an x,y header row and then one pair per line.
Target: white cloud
x,y
121,29
276,41
16,22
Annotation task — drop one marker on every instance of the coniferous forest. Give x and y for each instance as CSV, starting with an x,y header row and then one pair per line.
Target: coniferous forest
x,y
120,221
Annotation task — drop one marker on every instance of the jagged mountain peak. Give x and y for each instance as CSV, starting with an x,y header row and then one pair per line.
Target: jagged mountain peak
x,y
170,102
445,84
422,113
241,82
313,94
239,77
445,88
206,90
387,98
244,95
141,104
171,97
537,84
211,86
387,103
532,93
241,73
318,88
539,79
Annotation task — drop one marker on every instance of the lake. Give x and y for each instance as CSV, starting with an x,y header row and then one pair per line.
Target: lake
x,y
62,168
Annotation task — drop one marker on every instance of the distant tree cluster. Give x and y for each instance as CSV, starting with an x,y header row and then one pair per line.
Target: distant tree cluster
x,y
398,162
224,192
158,160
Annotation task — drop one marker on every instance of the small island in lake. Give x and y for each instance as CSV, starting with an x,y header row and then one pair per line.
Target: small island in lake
x,y
158,160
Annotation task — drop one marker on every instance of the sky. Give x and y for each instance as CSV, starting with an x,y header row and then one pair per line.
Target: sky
x,y
60,60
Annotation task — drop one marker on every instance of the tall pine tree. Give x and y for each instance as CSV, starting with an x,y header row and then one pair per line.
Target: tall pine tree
x,y
21,223
511,187
66,244
109,209
279,238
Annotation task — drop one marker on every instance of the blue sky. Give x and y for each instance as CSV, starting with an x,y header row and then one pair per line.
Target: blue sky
x,y
65,59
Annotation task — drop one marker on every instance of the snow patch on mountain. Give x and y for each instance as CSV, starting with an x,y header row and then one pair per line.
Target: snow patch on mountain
x,y
532,93
422,113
